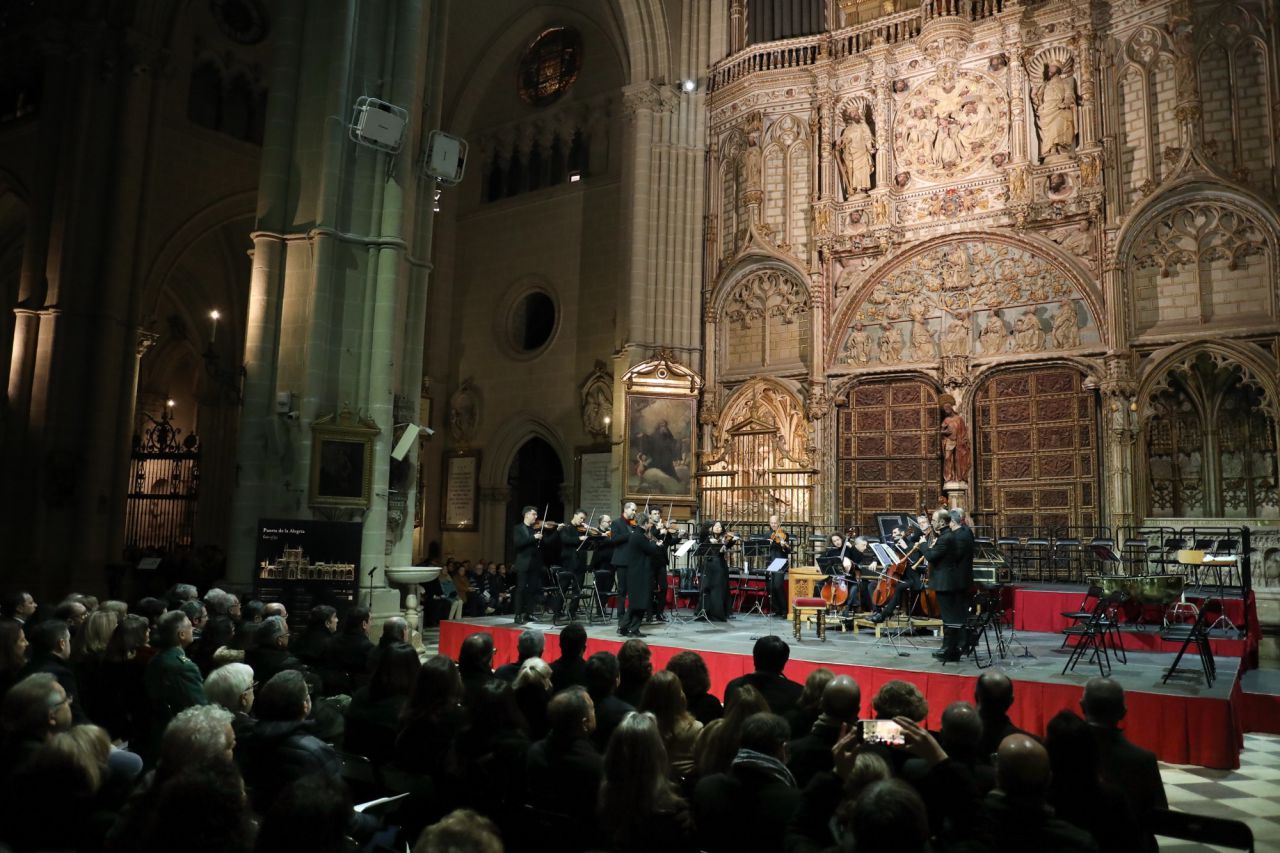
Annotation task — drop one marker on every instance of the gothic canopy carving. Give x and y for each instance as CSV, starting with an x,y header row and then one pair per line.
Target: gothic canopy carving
x,y
1196,234
764,408
763,294
967,298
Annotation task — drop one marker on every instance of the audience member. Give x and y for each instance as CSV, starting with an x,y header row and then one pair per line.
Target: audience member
x,y
394,630
570,670
270,653
750,806
1018,814
150,609
640,807
461,831
993,694
770,656
530,644
124,710
205,806
492,753
311,814
475,663
13,653
1077,793
563,770
347,656
532,690
718,743
34,709
890,817
55,799
232,687
312,643
281,747
431,720
1125,765
216,646
602,681
172,681
809,705
179,594
694,677
634,669
664,698
17,607
373,717
811,754
50,650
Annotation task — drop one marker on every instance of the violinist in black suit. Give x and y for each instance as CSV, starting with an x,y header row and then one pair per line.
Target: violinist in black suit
x,y
620,534
664,537
950,576
779,549
572,537
634,561
527,538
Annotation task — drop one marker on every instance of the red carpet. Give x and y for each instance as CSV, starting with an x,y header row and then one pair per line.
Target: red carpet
x,y
1183,730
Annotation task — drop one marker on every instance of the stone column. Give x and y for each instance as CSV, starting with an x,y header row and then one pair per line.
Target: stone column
x,y
1017,81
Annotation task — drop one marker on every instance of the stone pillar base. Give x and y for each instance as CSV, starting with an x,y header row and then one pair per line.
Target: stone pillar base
x,y
957,495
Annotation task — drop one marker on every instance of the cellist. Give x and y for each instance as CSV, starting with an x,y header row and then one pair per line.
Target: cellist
x,y
912,578
837,563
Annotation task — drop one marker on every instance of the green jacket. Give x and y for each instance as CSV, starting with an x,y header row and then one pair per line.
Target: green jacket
x,y
173,684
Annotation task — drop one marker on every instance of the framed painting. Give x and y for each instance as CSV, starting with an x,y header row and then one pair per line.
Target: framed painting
x,y
342,461
658,449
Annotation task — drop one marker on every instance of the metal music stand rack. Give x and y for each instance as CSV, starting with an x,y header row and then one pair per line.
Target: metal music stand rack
x,y
752,548
701,552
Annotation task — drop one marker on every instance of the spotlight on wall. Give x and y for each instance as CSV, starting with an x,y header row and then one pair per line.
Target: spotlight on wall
x,y
689,86
574,177
170,403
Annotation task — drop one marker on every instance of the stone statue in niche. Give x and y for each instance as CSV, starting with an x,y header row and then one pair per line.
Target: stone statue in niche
x,y
959,335
1066,329
957,453
597,404
923,345
750,164
890,344
858,350
1055,103
994,336
1028,334
464,412
856,152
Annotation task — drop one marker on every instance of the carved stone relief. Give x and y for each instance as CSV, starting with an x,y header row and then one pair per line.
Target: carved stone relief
x,y
464,412
949,127
1056,101
597,402
769,293
1198,234
933,301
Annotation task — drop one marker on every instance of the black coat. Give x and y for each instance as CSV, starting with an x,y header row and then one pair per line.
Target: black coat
x,y
279,752
1132,769
811,754
565,779
570,557
528,549
568,672
62,672
268,661
951,561
609,713
619,536
743,809
780,692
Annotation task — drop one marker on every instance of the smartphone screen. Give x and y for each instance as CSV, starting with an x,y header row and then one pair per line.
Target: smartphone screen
x,y
881,731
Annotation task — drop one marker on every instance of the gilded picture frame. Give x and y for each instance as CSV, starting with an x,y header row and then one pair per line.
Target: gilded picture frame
x,y
342,461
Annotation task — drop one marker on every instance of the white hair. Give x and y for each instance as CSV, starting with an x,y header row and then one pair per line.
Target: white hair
x,y
534,670
197,735
227,683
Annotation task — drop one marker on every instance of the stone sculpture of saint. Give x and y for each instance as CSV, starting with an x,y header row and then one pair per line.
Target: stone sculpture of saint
x,y
959,334
994,337
1028,335
856,151
859,349
957,453
1066,330
1055,102
890,344
923,346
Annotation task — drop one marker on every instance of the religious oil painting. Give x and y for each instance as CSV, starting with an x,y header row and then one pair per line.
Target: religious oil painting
x,y
659,446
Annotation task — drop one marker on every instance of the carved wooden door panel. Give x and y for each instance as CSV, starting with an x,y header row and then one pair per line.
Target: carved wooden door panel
x,y
888,456
1037,451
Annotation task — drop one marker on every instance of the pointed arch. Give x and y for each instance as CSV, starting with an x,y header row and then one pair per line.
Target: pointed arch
x,y
502,447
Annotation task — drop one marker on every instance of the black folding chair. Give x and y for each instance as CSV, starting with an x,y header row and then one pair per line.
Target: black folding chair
x,y
1216,831
1093,636
1194,633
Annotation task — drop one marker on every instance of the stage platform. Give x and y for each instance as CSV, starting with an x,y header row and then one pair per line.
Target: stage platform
x,y
1184,722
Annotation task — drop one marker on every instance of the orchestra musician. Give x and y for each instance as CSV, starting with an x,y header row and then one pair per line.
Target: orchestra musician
x,y
860,585
572,536
528,564
837,550
634,559
912,579
715,573
950,576
664,537
618,556
602,556
779,549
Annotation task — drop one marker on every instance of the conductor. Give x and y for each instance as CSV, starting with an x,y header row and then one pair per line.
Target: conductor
x,y
951,576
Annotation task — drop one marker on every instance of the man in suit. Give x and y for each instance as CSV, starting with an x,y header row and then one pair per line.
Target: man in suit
x,y
528,564
51,652
950,575
770,655
531,644
619,537
1125,765
993,695
634,560
664,538
17,607
570,670
572,558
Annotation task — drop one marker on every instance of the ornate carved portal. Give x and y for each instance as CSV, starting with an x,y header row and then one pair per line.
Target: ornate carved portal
x,y
1037,451
888,455
1211,442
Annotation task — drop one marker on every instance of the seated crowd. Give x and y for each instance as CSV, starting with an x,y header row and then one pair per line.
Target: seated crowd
x,y
209,725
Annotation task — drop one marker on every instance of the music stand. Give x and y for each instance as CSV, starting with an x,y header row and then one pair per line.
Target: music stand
x,y
754,547
700,553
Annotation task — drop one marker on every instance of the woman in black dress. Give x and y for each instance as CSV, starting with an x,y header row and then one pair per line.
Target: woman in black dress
x,y
715,575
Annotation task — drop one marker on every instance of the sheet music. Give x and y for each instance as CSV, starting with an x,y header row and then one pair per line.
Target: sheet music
x,y
777,565
685,547
886,555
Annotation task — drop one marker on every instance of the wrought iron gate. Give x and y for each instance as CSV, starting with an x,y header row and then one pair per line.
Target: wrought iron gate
x,y
164,486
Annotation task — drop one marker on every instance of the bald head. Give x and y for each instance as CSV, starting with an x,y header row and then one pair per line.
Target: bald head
x,y
961,727
842,699
1022,767
1103,702
994,694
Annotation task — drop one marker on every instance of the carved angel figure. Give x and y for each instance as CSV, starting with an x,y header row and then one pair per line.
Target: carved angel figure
x,y
1055,102
859,348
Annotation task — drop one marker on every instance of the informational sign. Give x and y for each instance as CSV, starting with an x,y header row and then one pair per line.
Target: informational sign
x,y
304,563
461,492
595,484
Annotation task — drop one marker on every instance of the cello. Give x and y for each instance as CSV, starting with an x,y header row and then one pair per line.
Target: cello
x,y
927,600
836,593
